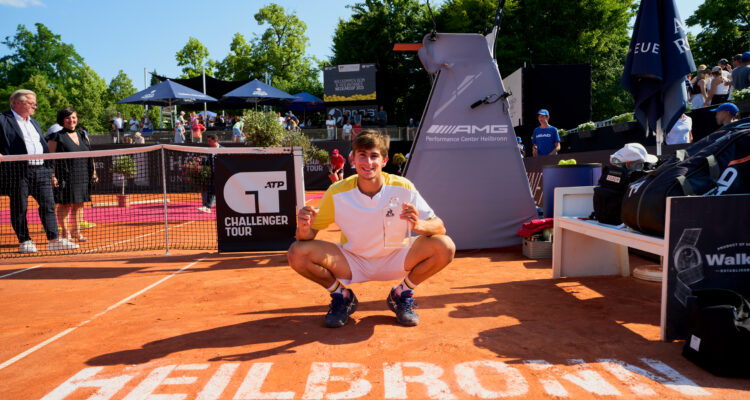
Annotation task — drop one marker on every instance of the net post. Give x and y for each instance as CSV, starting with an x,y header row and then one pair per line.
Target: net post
x,y
166,214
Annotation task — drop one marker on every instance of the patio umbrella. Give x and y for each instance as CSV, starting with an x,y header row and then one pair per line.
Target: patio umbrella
x,y
256,92
658,60
166,94
305,102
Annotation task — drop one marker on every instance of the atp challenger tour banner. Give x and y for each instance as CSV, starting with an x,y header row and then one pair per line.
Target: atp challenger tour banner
x,y
255,201
465,159
349,82
709,248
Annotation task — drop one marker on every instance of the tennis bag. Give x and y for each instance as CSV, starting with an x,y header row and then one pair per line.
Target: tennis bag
x,y
719,332
715,165
613,184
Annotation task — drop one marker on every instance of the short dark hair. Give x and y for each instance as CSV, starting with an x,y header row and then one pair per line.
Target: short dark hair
x,y
211,136
737,57
369,139
64,113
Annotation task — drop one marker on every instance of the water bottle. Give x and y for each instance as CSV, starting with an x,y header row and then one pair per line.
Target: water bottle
x,y
396,231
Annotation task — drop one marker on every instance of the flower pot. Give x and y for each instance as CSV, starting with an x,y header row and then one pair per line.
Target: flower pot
x,y
123,200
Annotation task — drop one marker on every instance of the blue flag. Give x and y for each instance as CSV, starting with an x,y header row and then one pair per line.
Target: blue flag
x,y
659,58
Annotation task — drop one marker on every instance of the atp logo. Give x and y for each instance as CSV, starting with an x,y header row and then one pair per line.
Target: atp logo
x,y
255,192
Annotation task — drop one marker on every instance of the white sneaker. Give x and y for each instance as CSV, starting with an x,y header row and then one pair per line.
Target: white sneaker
x,y
62,244
27,247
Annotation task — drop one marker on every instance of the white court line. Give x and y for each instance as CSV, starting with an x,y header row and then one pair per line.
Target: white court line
x,y
110,308
135,238
18,272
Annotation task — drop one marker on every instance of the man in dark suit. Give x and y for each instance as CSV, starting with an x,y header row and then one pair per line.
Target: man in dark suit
x,y
21,135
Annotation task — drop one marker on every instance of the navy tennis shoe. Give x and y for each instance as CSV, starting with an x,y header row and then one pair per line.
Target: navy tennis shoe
x,y
340,309
403,306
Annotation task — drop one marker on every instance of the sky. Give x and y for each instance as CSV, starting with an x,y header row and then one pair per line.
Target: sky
x,y
135,34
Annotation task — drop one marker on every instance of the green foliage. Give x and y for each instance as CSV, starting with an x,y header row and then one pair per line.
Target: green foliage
x,y
124,165
399,159
725,30
741,95
192,57
321,156
196,174
618,119
562,132
239,63
586,126
262,129
368,37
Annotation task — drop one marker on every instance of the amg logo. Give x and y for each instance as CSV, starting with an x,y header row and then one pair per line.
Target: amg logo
x,y
612,178
451,129
723,259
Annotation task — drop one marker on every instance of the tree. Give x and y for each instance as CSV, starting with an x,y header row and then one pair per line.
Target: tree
x,y
725,30
280,50
368,37
120,87
239,63
193,57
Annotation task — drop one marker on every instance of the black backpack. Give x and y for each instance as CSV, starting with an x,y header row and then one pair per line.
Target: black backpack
x,y
613,184
717,164
719,332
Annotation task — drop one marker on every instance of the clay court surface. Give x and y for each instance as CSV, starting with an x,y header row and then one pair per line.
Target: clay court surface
x,y
201,325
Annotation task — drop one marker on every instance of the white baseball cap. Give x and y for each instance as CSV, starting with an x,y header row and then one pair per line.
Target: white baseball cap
x,y
632,152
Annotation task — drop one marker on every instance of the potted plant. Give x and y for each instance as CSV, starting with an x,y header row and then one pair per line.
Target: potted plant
x,y
399,159
125,166
742,100
586,129
196,173
622,122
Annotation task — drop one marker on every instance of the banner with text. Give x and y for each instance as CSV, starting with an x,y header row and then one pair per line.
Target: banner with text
x,y
255,201
709,247
349,82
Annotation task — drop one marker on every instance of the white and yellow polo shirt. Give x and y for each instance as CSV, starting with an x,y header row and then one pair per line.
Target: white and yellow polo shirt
x,y
360,217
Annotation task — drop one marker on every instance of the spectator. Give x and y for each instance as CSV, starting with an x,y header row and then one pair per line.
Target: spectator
x,y
197,131
237,135
282,120
356,124
73,175
411,129
336,169
382,117
347,131
134,125
681,132
138,138
147,128
741,74
209,197
521,147
331,127
181,119
119,123
545,139
726,113
698,93
718,88
114,132
21,134
179,133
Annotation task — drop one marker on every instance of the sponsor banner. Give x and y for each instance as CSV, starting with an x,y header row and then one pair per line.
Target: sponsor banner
x,y
367,111
255,201
350,82
709,247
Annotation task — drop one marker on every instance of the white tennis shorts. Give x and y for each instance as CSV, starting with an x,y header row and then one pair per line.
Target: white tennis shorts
x,y
388,268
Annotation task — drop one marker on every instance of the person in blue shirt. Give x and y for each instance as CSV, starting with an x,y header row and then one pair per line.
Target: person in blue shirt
x,y
545,139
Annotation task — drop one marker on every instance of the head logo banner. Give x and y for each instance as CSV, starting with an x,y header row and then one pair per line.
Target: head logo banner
x,y
255,201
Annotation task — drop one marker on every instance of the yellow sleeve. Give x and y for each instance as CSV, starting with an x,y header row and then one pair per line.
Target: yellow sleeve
x,y
326,212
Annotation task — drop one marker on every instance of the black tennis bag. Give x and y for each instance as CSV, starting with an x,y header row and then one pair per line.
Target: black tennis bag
x,y
608,195
719,332
715,165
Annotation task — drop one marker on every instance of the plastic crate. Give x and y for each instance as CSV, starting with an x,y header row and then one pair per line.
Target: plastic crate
x,y
537,249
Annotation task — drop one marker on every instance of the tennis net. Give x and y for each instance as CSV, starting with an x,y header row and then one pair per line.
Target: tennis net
x,y
147,198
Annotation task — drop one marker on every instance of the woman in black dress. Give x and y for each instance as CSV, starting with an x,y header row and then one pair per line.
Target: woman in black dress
x,y
73,176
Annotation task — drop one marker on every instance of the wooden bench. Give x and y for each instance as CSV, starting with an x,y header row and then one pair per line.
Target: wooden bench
x,y
589,248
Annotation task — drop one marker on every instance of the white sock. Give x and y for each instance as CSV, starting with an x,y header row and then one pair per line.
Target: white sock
x,y
406,284
338,287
